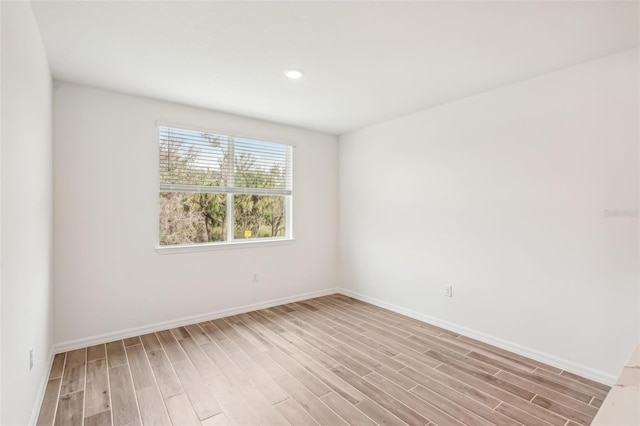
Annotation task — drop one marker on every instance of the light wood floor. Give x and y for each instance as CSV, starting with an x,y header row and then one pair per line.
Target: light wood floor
x,y
330,361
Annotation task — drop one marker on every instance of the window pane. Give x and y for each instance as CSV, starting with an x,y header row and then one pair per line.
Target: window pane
x,y
260,164
193,158
259,216
188,218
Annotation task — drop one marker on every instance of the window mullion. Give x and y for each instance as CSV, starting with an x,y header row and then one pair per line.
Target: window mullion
x,y
288,200
230,197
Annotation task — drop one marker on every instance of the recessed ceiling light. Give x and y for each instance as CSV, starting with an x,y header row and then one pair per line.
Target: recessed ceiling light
x,y
294,74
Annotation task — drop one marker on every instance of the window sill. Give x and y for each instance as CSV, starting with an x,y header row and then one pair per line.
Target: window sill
x,y
223,246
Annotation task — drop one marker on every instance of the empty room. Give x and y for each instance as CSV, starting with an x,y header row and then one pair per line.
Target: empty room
x,y
320,213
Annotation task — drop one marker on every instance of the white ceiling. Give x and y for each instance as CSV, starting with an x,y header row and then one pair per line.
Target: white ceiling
x,y
364,62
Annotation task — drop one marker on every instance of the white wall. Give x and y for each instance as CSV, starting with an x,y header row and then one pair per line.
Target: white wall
x,y
108,275
26,216
502,195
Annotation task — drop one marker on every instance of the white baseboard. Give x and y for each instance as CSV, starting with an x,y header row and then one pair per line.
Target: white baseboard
x,y
43,387
137,331
563,364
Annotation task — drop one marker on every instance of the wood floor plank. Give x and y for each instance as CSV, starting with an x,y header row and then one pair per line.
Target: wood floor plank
x,y
241,330
369,321
596,402
296,370
294,413
217,420
549,394
152,409
70,411
116,354
286,308
320,324
369,351
132,341
227,329
418,329
388,321
481,415
197,334
335,317
304,347
165,376
337,320
375,366
481,365
486,377
97,397
261,380
271,367
265,333
567,382
49,403
287,323
459,393
437,343
100,419
389,316
325,339
562,410
340,357
496,362
74,372
123,397
589,382
328,360
205,366
511,399
449,387
264,320
213,332
553,384
504,358
96,352
140,367
348,412
510,355
322,414
58,366
235,408
436,409
224,365
171,347
204,404
229,347
150,342
377,413
382,398
336,384
520,416
181,411
264,411
180,333
389,350
392,345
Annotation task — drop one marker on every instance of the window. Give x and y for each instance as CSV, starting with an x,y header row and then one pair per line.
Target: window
x,y
221,189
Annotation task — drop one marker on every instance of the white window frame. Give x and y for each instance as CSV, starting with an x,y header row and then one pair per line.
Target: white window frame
x,y
231,242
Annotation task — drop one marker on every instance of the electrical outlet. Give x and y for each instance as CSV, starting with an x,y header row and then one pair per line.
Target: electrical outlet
x,y
448,291
30,359
255,277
